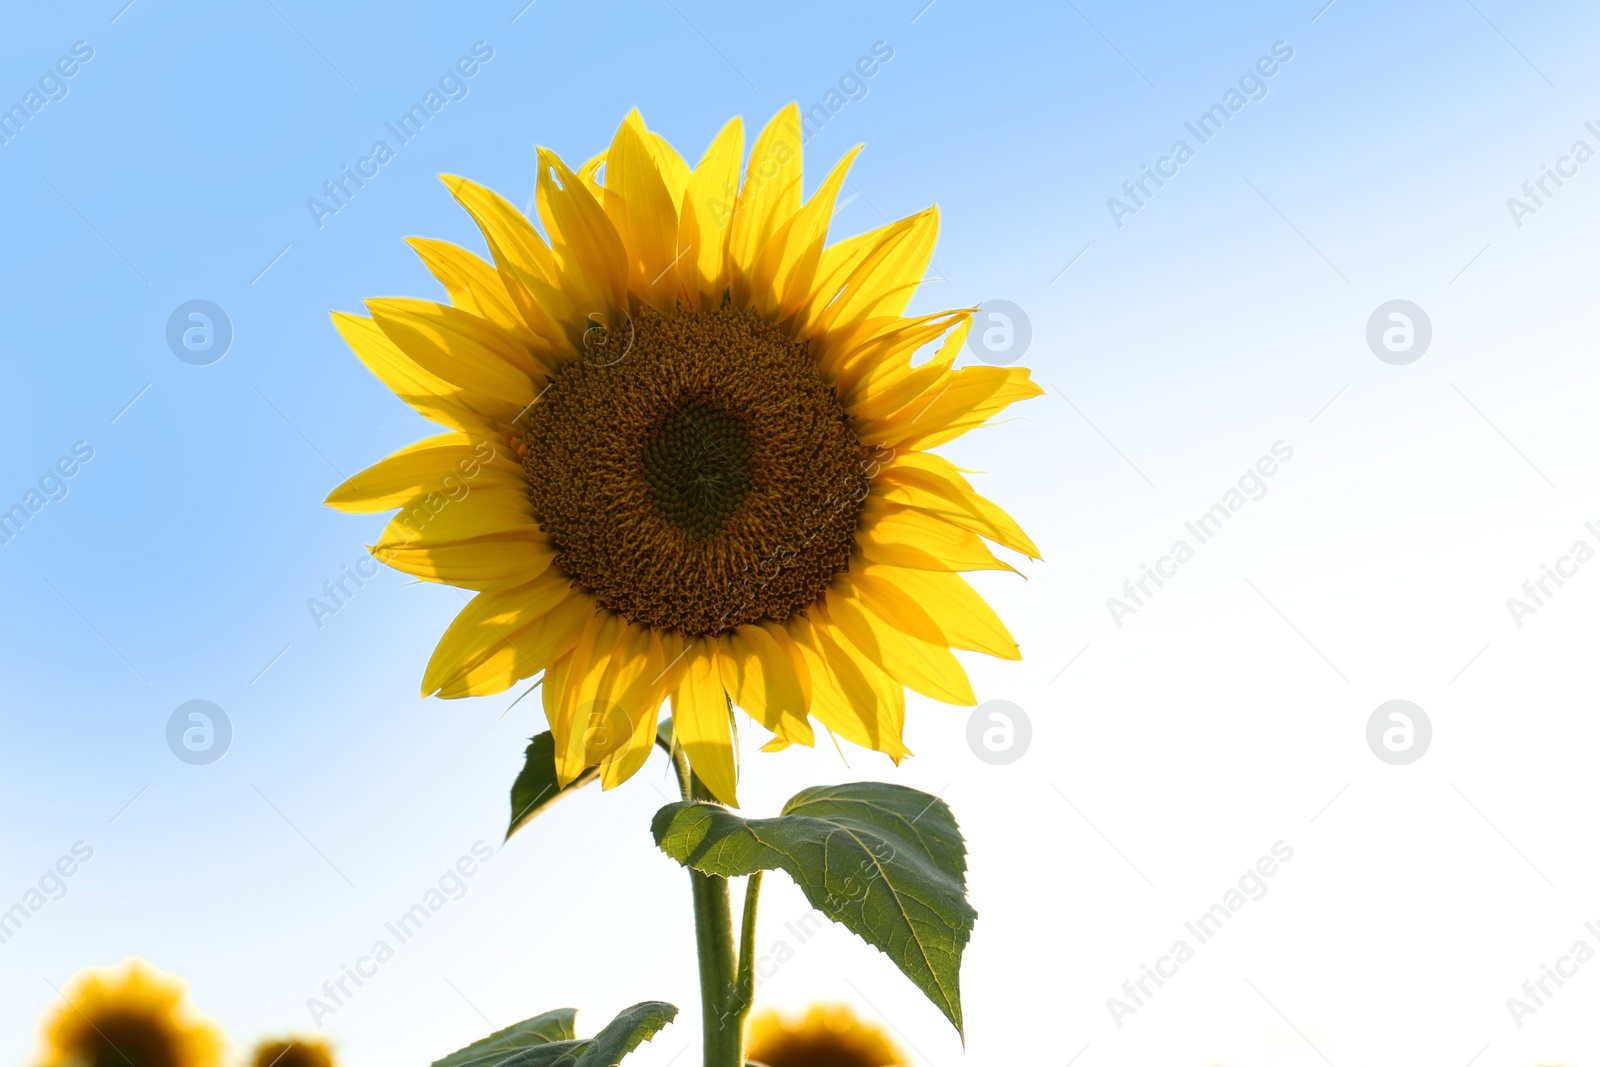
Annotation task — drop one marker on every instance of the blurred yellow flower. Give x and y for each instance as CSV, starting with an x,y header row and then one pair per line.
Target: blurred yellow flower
x,y
128,1016
293,1052
828,1035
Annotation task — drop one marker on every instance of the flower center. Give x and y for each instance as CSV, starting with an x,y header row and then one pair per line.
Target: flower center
x,y
695,472
697,464
121,1037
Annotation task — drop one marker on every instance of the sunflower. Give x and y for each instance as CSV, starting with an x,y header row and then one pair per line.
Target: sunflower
x,y
828,1035
128,1016
292,1052
688,457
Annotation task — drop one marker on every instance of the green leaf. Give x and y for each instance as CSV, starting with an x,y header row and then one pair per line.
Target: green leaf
x,y
886,861
622,1035
547,1040
543,1029
536,787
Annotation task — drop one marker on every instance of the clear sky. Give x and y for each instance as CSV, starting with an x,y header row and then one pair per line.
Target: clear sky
x,y
1187,333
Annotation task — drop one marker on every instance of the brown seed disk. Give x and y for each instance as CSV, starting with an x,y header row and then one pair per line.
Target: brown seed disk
x,y
695,472
122,1036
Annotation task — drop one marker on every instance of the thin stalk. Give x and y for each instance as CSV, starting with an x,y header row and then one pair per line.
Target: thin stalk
x,y
745,983
721,1016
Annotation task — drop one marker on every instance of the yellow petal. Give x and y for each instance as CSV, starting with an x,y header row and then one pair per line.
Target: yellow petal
x,y
838,261
893,388
589,174
621,766
437,519
474,286
928,668
786,268
937,606
445,465
675,649
613,697
850,696
871,364
769,197
759,678
641,209
514,243
591,655
909,537
428,394
883,282
933,484
499,620
483,563
963,400
589,255
526,264
708,204
536,646
784,641
674,171
641,695
700,717
462,349
553,690
467,337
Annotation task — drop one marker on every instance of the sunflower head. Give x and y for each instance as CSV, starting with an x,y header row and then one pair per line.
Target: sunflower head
x,y
128,1016
687,456
292,1052
828,1035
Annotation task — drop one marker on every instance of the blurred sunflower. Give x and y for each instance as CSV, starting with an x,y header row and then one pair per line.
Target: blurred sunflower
x,y
293,1052
128,1016
687,457
828,1035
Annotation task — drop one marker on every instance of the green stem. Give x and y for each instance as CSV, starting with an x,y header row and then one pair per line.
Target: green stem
x,y
745,984
721,1012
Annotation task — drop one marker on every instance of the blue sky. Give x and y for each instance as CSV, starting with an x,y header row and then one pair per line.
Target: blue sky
x,y
1228,313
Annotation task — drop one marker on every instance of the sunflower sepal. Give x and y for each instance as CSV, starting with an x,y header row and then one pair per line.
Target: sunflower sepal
x,y
885,861
537,786
550,1039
